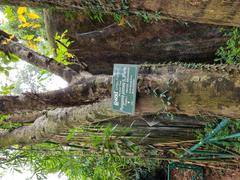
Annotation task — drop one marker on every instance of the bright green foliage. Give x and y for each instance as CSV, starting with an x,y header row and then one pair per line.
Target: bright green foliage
x,y
5,90
62,54
28,37
10,125
72,132
9,13
12,26
45,159
76,163
117,17
97,16
7,125
230,53
31,36
3,117
110,153
27,25
103,159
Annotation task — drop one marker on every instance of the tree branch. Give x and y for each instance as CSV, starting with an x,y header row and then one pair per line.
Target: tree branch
x,y
36,59
83,92
25,117
55,121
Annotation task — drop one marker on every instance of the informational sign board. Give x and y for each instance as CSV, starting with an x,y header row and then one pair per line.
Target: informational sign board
x,y
124,85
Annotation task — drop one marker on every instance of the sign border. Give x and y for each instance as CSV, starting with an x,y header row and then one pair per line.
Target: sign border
x,y
135,89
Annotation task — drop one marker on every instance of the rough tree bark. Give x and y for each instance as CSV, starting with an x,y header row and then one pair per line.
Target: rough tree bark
x,y
202,11
56,120
145,129
156,42
199,89
24,117
84,92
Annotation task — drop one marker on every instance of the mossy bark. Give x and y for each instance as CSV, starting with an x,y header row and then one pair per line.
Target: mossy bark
x,y
202,11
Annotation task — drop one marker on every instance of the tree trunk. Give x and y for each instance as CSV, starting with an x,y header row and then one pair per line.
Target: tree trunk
x,y
178,88
197,89
100,45
188,89
210,12
149,128
217,12
92,90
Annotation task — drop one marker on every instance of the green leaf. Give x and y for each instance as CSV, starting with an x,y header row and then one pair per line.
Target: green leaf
x,y
28,37
8,12
230,53
71,133
5,90
62,54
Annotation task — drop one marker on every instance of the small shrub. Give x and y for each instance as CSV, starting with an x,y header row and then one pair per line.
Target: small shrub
x,y
230,53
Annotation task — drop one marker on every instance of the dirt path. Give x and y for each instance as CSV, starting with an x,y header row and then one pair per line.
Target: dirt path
x,y
210,174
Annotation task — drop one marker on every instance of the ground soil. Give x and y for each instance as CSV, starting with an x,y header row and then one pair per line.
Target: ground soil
x,y
210,174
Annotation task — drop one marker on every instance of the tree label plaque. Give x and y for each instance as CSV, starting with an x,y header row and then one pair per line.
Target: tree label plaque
x,y
124,84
